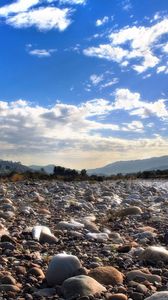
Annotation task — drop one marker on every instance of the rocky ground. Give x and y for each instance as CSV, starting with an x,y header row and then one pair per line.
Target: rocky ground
x,y
84,240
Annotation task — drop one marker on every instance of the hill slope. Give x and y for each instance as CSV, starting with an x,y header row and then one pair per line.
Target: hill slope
x,y
48,169
132,166
7,167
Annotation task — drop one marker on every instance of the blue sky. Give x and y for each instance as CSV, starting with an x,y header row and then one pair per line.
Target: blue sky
x,y
83,82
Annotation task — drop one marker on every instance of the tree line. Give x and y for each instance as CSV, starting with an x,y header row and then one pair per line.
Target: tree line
x,y
67,174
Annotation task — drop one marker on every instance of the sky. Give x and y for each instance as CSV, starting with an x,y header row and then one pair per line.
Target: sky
x,y
83,83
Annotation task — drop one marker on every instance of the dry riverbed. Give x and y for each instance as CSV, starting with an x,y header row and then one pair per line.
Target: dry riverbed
x,y
84,240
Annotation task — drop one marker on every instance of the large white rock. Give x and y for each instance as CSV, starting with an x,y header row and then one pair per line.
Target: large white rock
x,y
158,296
61,267
38,229
43,234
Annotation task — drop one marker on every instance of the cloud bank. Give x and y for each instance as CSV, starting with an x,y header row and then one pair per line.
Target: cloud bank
x,y
80,135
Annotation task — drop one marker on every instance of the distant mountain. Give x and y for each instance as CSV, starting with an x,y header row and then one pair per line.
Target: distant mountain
x,y
48,169
7,167
132,166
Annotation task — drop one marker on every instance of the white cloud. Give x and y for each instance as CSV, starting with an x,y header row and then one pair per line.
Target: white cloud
x,y
109,83
133,43
107,51
165,48
17,7
73,2
44,18
146,76
161,69
96,79
101,81
41,52
102,21
126,100
126,5
24,14
136,126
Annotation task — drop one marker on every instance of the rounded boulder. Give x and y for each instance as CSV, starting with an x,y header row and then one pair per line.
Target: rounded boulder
x,y
81,286
107,275
62,267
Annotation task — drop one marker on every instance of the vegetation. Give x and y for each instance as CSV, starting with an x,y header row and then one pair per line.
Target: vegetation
x,y
66,174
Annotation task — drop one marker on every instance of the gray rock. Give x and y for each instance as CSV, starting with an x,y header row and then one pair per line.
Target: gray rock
x,y
81,285
139,275
154,254
158,296
61,267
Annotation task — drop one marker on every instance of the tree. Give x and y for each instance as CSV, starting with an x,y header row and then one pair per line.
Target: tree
x,y
83,173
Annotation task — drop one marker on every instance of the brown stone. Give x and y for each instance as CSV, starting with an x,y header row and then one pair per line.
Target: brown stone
x,y
8,279
36,272
107,275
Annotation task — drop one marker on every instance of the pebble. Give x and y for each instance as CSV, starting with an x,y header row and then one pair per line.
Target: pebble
x,y
117,297
70,225
138,275
100,237
36,272
8,279
9,288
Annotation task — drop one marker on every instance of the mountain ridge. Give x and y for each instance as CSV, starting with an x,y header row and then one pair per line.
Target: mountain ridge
x,y
131,166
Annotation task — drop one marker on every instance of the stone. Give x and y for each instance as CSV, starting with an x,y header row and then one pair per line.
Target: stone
x,y
47,292
124,248
7,246
37,272
70,225
122,213
20,270
9,288
116,238
43,234
91,226
80,286
137,296
158,296
117,297
7,238
154,254
8,279
107,275
140,276
44,211
100,237
61,267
